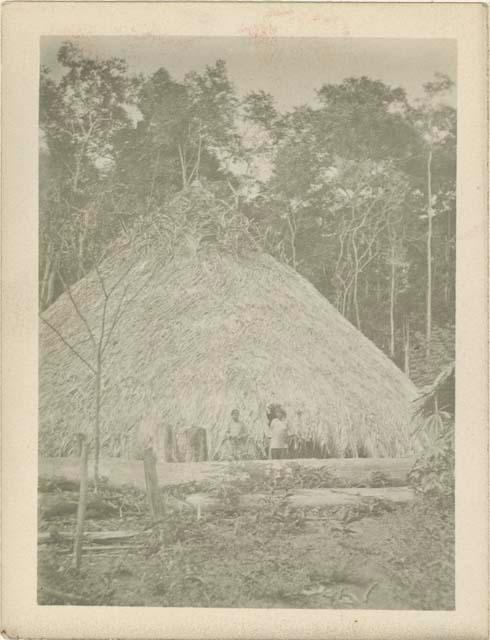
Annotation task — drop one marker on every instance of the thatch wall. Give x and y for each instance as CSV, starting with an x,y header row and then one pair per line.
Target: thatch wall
x,y
216,332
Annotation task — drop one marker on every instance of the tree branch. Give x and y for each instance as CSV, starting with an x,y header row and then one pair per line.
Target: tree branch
x,y
77,309
100,349
120,309
101,280
115,319
65,341
123,276
182,166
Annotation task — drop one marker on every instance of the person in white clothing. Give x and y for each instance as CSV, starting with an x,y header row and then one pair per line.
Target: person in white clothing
x,y
279,435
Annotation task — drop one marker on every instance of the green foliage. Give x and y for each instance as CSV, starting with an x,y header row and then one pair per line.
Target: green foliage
x,y
337,189
364,118
423,372
116,148
379,479
432,475
259,108
67,586
373,555
421,557
81,117
227,492
343,174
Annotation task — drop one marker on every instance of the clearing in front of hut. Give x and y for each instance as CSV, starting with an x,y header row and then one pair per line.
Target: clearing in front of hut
x,y
371,554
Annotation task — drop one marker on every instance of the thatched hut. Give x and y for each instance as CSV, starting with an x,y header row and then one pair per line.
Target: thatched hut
x,y
210,332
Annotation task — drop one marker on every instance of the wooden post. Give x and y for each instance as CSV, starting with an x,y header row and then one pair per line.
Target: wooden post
x,y
82,503
151,480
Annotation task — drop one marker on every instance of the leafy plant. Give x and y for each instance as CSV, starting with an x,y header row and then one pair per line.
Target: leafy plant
x,y
73,587
433,473
378,479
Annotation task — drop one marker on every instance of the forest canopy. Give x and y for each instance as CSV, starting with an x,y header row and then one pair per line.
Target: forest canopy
x,y
356,192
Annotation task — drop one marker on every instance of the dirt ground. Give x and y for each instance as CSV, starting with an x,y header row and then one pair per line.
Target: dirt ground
x,y
374,556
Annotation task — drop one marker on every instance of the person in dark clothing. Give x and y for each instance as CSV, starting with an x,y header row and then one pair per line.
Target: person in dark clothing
x,y
237,435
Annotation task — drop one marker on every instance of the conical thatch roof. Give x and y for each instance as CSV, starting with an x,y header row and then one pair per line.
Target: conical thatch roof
x,y
215,332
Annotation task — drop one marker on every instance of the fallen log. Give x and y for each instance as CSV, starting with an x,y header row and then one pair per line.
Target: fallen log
x,y
119,472
53,506
112,548
98,537
311,498
102,550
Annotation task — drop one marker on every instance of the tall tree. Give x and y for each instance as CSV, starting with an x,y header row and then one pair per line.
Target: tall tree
x,y
365,119
435,122
213,116
79,118
187,129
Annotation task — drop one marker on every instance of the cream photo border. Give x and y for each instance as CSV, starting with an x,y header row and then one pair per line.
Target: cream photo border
x,y
23,25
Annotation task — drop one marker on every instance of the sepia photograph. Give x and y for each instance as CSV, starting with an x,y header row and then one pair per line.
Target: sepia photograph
x,y
247,258
244,345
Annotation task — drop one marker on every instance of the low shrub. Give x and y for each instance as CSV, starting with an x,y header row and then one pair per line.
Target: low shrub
x,y
432,475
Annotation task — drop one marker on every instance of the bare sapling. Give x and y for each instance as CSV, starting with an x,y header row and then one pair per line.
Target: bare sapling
x,y
116,300
82,503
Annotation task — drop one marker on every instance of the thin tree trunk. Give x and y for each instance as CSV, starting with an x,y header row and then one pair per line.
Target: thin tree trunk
x,y
392,304
182,166
198,161
50,291
77,173
152,188
345,297
356,277
292,235
447,288
356,301
82,504
98,375
406,347
45,278
80,156
428,329
195,171
82,236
